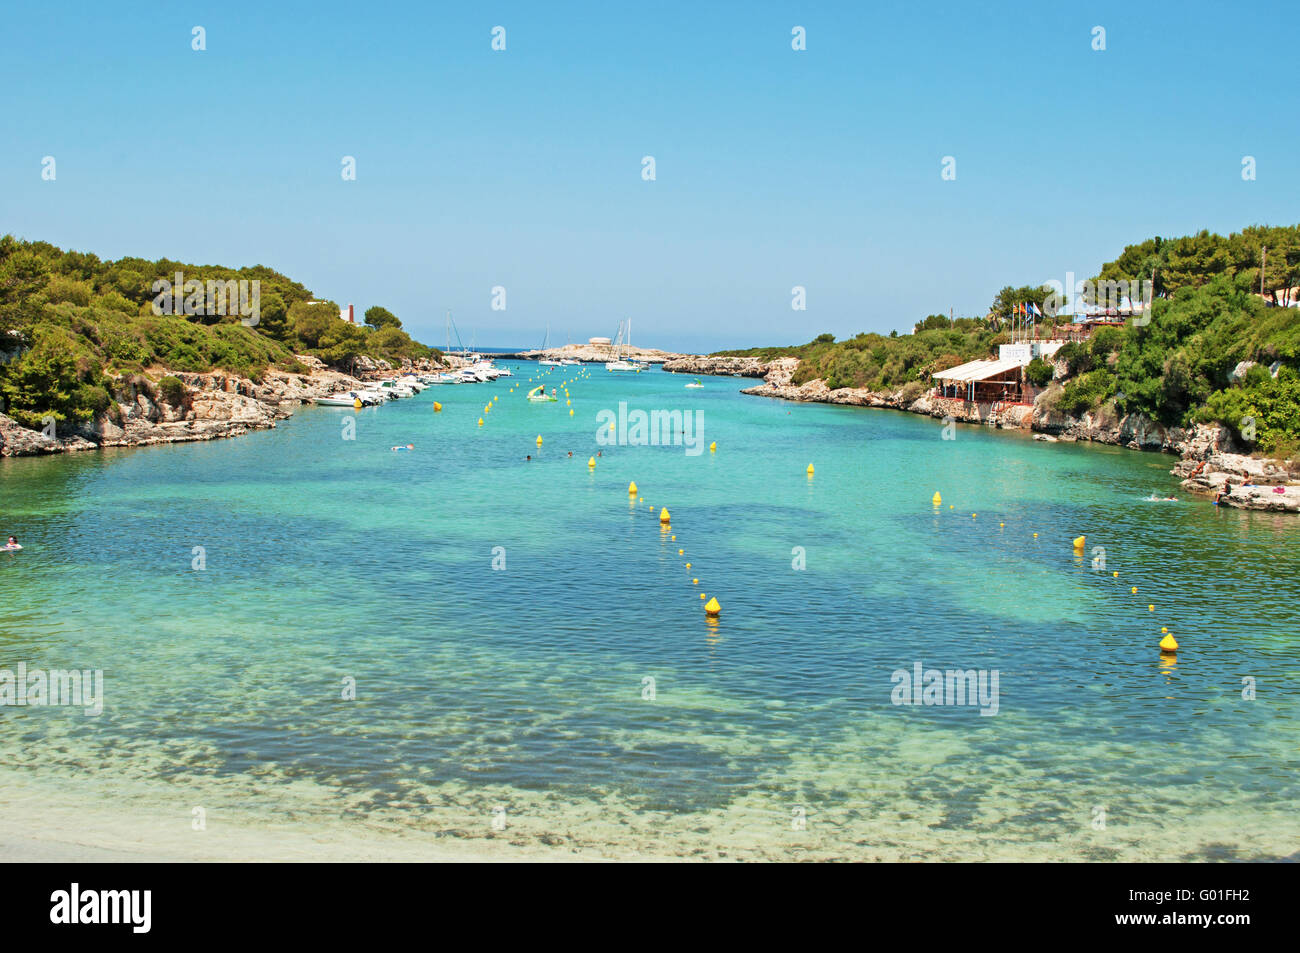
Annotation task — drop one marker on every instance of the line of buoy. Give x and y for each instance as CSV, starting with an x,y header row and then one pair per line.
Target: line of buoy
x,y
712,608
1168,645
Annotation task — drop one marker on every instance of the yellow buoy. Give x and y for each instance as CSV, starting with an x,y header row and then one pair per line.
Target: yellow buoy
x,y
681,552
539,440
663,516
810,469
357,403
1002,524
631,488
1035,536
688,565
1164,630
591,462
695,582
570,411
1079,541
1134,590
704,595
480,421
972,516
568,403
950,506
713,447
712,607
1168,644
611,426
437,407
673,537
936,499
487,409
1151,608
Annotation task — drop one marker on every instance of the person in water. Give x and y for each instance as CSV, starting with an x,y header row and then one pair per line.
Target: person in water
x,y
12,544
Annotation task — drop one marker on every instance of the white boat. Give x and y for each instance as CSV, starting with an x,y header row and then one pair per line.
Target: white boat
x,y
546,343
568,363
346,400
621,362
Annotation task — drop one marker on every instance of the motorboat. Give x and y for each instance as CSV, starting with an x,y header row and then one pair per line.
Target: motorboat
x,y
349,399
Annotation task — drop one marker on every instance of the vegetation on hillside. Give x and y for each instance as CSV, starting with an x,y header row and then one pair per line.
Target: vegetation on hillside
x,y
75,328
1177,367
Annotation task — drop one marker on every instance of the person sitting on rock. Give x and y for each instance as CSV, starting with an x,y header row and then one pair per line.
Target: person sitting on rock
x,y
1226,491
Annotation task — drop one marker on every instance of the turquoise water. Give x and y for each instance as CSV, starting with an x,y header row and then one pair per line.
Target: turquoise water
x,y
771,732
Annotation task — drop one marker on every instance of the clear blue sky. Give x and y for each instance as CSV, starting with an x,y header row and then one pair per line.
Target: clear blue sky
x,y
522,168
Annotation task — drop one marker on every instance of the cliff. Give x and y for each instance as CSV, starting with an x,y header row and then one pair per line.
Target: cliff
x,y
215,405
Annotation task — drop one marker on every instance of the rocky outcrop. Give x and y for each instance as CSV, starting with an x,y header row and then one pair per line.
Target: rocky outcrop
x,y
215,405
598,354
721,366
1252,484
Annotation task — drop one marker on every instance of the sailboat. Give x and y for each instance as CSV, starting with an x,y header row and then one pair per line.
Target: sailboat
x,y
621,362
546,342
565,361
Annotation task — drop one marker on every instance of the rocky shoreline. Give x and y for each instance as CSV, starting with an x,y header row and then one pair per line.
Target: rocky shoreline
x,y
596,354
1210,457
215,405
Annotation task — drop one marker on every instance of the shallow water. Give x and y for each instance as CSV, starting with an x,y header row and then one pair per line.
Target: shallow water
x,y
772,733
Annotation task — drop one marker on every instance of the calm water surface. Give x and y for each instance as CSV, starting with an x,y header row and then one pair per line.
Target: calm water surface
x,y
771,733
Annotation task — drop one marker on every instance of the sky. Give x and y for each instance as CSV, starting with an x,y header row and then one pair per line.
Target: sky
x,y
522,168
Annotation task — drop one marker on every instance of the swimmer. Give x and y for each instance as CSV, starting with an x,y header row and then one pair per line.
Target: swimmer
x,y
12,544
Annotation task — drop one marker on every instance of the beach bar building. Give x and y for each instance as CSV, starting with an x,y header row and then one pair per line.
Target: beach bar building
x,y
982,381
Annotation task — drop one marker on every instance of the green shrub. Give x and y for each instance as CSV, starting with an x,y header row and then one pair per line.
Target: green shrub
x,y
1039,372
172,390
1086,392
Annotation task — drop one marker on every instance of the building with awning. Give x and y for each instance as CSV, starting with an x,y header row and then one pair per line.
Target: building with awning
x,y
986,380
